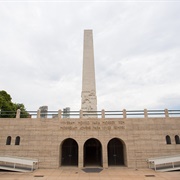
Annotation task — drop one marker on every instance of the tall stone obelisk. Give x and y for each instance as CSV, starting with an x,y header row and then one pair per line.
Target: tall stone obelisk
x,y
88,96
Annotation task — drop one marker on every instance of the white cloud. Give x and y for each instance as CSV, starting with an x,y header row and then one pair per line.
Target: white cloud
x,y
136,53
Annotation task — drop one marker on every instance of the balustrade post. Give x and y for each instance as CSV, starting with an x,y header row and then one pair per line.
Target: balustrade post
x,y
39,113
166,113
59,114
103,114
81,114
145,113
18,113
124,113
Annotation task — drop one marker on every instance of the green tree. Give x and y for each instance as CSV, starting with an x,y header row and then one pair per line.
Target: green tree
x,y
24,113
8,108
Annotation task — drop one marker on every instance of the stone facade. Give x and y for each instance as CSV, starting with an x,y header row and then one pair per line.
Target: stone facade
x,y
88,95
43,138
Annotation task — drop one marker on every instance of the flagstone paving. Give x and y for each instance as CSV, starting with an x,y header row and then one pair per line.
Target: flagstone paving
x,y
71,173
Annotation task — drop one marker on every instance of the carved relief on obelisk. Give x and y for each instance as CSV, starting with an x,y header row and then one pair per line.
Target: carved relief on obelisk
x,y
88,96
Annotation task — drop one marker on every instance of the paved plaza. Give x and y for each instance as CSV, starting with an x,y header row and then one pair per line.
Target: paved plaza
x,y
71,173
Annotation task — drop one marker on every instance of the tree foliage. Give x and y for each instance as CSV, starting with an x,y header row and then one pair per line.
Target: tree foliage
x,y
8,108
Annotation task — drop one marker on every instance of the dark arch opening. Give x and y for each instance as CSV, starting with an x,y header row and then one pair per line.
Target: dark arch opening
x,y
168,139
69,153
17,141
92,153
115,152
177,139
8,140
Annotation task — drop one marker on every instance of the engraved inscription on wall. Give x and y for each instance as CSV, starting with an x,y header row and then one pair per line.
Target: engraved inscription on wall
x,y
92,125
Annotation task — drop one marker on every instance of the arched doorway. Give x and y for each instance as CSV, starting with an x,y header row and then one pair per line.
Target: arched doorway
x,y
69,153
92,153
115,152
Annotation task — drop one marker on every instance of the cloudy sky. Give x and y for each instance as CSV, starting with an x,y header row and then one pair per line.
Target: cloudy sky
x,y
136,50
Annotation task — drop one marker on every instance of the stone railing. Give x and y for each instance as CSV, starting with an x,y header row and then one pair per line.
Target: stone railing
x,y
93,114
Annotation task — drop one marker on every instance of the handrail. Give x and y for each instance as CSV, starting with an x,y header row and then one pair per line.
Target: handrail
x,y
94,114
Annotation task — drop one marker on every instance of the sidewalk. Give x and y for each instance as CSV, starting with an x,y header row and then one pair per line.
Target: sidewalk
x,y
71,173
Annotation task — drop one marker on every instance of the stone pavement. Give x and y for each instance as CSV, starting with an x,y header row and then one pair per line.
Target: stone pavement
x,y
71,173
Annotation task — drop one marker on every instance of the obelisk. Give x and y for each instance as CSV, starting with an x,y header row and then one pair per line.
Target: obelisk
x,y
88,96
